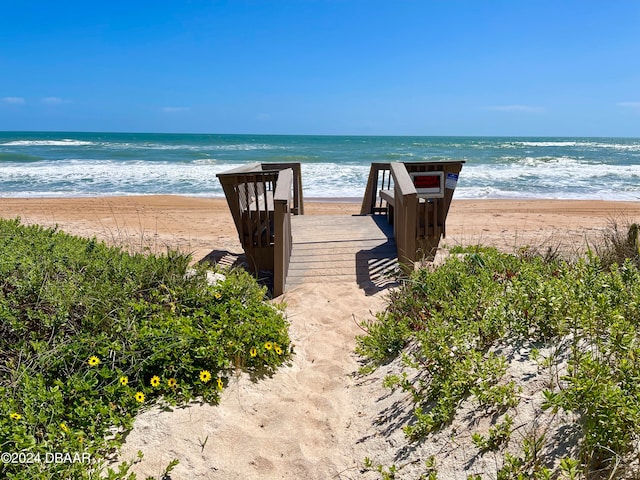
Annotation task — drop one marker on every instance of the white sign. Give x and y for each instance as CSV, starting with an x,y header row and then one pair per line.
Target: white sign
x,y
452,181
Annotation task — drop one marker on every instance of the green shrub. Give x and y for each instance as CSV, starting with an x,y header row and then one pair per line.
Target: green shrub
x,y
90,335
459,316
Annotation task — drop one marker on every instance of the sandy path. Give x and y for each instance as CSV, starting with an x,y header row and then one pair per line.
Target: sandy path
x,y
303,423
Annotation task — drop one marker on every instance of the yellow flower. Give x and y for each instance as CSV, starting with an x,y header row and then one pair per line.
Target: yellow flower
x,y
253,352
139,397
155,381
124,381
172,382
205,376
278,350
15,416
93,361
64,428
268,345
218,296
220,384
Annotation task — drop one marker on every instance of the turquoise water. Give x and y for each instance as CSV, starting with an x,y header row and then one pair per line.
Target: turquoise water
x,y
41,164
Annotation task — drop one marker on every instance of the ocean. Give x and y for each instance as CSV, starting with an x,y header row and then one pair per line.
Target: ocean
x,y
65,164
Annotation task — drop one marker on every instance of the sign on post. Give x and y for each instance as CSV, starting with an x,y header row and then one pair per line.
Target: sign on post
x,y
428,184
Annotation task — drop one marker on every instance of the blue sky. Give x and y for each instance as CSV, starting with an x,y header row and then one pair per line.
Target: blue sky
x,y
362,67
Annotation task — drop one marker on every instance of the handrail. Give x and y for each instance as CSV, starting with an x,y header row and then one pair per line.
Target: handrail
x,y
402,180
247,168
283,241
229,180
298,200
284,186
262,197
405,224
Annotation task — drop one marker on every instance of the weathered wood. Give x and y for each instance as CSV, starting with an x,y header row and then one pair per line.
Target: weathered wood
x,y
229,180
297,205
262,198
282,223
419,222
405,212
379,179
250,193
340,248
388,197
254,192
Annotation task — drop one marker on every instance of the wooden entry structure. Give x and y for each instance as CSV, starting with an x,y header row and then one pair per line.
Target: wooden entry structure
x,y
415,197
418,211
262,197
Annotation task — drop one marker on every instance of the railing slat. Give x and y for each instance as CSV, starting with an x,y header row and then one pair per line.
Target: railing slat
x,y
374,185
298,199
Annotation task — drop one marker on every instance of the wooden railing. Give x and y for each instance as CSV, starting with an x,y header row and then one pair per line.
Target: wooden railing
x,y
297,205
405,215
379,179
419,221
262,198
283,241
255,200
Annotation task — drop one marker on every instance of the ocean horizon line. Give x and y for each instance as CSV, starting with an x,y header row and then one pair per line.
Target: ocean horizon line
x,y
373,135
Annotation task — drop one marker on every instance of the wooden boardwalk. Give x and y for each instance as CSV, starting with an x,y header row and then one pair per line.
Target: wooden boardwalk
x,y
266,203
341,248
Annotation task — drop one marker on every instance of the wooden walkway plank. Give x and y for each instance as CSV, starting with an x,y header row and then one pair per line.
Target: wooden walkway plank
x,y
340,248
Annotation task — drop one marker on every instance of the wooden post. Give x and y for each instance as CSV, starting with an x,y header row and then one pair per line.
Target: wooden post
x,y
406,216
282,225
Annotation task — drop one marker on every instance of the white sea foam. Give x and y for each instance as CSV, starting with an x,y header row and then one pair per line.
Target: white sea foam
x,y
550,170
474,193
552,144
633,147
331,167
532,178
205,161
75,176
190,147
46,143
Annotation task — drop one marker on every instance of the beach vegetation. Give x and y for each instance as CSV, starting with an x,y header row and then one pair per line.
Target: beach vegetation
x,y
458,327
620,242
92,335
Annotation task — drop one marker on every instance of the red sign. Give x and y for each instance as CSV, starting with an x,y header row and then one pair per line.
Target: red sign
x,y
427,181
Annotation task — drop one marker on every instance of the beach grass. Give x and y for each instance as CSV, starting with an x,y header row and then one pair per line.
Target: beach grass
x,y
92,335
528,358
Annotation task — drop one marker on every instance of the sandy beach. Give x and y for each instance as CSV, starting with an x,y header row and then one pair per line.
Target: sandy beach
x,y
317,418
200,225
